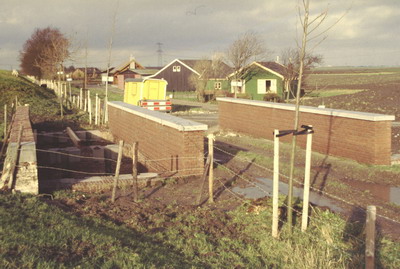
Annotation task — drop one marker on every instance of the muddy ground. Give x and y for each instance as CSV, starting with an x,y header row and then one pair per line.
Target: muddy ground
x,y
169,196
329,176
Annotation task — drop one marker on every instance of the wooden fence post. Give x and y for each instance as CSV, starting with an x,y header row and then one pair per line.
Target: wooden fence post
x,y
204,177
100,112
90,108
211,171
61,106
80,98
370,238
96,116
121,143
85,102
306,190
275,192
5,121
135,171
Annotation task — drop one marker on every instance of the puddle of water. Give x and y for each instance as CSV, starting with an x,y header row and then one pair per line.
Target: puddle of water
x,y
266,184
385,193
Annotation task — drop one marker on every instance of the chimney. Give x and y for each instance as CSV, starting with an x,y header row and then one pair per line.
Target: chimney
x,y
132,64
277,59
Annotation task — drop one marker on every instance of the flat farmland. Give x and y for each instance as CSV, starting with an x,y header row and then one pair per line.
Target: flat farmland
x,y
375,90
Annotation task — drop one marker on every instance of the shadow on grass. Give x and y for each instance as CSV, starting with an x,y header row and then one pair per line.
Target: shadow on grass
x,y
354,232
183,108
88,240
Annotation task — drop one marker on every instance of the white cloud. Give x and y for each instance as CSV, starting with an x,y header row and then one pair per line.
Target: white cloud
x,y
196,28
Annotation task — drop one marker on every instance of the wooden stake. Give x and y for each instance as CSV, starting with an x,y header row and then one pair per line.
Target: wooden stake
x,y
70,91
85,102
121,143
370,238
5,122
306,191
275,193
90,108
105,110
135,171
3,147
100,119
211,171
80,98
96,116
204,177
61,106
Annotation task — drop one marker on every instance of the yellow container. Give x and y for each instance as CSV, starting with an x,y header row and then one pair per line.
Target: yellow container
x,y
141,89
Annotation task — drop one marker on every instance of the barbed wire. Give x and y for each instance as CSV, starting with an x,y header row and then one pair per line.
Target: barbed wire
x,y
68,170
65,136
173,158
311,187
74,155
231,192
306,233
268,194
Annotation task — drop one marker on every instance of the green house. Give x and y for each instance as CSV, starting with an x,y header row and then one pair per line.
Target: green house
x,y
259,79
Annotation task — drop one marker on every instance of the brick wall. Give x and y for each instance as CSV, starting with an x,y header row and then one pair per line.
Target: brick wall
x,y
26,175
167,144
364,137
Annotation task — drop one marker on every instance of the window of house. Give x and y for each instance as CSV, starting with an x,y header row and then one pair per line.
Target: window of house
x,y
238,85
176,68
266,85
217,85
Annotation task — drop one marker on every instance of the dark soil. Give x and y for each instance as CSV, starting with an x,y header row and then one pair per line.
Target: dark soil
x,y
160,203
180,195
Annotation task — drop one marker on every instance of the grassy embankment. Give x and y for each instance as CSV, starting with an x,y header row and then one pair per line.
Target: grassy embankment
x,y
44,104
36,234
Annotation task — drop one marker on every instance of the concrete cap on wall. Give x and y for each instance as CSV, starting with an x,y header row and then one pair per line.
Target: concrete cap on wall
x,y
159,117
322,111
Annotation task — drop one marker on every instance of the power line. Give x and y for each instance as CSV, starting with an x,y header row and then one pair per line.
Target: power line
x,y
160,52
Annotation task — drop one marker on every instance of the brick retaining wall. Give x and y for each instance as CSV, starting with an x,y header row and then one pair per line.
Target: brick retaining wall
x,y
364,137
168,144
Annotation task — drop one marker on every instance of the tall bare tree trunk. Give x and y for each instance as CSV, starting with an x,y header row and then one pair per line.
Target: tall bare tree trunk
x,y
297,114
109,61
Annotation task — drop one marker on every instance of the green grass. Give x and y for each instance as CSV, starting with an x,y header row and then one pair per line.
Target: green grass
x,y
343,78
382,174
329,93
44,104
35,234
188,96
113,93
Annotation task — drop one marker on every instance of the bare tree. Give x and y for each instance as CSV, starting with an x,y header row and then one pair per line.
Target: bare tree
x,y
209,69
110,45
291,60
247,48
44,53
313,30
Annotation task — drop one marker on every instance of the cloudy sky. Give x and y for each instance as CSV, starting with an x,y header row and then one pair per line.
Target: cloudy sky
x,y
369,34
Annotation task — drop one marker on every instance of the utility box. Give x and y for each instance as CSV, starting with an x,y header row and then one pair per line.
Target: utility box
x,y
149,93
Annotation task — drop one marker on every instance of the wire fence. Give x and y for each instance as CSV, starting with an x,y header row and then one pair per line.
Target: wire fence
x,y
268,194
333,196
315,238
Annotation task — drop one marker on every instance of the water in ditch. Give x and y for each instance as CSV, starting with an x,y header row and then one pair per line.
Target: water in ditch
x,y
264,187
